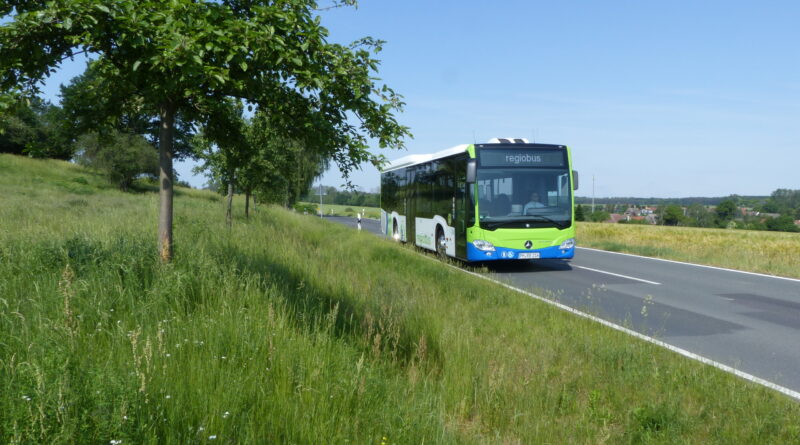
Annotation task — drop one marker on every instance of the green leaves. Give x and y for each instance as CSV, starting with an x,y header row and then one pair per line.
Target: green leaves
x,y
195,53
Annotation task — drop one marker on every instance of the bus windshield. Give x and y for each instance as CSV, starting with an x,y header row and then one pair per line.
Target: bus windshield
x,y
524,197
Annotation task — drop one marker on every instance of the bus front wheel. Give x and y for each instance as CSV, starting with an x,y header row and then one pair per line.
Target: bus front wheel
x,y
441,243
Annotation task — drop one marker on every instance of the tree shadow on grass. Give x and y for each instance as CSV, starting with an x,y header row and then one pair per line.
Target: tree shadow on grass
x,y
368,326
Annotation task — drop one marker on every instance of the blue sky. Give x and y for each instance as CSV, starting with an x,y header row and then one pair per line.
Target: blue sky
x,y
667,99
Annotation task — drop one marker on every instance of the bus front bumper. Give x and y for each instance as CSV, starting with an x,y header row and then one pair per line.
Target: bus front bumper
x,y
503,253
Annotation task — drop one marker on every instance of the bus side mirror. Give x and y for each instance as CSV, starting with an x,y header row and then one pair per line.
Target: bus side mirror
x,y
575,180
472,171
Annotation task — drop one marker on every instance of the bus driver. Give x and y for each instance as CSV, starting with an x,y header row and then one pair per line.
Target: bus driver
x,y
534,203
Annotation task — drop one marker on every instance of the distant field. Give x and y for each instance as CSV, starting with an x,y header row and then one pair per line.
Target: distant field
x,y
293,329
774,253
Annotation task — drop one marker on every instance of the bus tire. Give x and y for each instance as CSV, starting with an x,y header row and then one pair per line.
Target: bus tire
x,y
441,242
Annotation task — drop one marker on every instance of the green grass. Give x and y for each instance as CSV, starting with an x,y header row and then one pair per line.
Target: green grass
x,y
291,329
774,253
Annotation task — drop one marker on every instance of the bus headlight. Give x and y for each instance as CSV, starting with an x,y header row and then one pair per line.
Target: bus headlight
x,y
568,244
486,246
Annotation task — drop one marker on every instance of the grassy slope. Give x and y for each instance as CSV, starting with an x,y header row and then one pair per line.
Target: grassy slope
x,y
775,253
291,329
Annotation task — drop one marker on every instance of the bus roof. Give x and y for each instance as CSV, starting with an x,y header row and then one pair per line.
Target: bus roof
x,y
406,161
410,160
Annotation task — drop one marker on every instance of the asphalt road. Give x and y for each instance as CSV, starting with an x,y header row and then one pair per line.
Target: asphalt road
x,y
749,322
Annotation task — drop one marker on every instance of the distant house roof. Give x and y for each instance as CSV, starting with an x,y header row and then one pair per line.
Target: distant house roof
x,y
615,218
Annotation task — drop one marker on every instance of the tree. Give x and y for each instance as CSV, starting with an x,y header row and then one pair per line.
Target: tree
x,y
226,149
599,216
91,104
673,215
184,56
699,216
579,215
35,129
121,157
783,201
725,212
281,168
783,223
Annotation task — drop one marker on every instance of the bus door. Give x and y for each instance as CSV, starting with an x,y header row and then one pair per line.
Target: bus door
x,y
411,206
461,208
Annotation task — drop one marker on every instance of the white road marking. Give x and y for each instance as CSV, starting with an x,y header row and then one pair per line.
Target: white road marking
x,y
617,275
693,264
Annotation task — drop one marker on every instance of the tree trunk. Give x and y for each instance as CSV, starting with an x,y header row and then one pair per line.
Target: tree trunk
x,y
247,204
229,206
165,134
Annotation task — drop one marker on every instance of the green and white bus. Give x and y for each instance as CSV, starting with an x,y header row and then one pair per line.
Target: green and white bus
x,y
504,200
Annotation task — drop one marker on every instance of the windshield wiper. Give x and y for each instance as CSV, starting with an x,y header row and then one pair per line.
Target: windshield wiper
x,y
550,220
498,224
491,225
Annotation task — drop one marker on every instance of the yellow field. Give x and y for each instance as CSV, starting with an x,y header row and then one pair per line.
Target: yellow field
x,y
774,253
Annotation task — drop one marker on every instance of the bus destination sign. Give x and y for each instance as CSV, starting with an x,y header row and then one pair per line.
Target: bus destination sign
x,y
522,158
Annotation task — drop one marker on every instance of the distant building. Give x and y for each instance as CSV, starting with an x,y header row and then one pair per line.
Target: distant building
x,y
615,218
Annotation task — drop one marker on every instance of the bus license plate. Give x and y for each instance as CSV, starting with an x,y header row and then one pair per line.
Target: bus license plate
x,y
528,255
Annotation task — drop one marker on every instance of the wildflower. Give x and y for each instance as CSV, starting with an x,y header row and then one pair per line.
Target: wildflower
x,y
115,442
168,396
212,437
227,413
200,429
169,355
26,398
